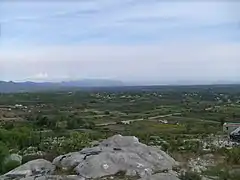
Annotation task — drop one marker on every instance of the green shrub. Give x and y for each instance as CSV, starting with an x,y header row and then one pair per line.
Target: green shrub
x,y
190,176
234,176
10,166
165,146
28,158
223,173
75,142
106,112
4,152
233,156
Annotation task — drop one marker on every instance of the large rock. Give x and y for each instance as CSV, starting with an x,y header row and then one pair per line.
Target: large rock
x,y
115,154
54,177
31,168
69,161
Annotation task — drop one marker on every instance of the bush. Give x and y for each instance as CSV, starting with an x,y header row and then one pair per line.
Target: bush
x,y
223,173
106,112
16,138
89,125
28,158
10,166
235,176
75,142
46,156
72,124
190,176
3,154
165,146
233,156
192,146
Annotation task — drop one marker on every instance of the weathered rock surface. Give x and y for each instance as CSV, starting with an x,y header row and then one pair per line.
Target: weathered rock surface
x,y
112,156
31,168
115,154
161,176
68,161
54,177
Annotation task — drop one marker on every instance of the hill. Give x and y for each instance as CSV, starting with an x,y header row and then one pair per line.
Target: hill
x,y
8,87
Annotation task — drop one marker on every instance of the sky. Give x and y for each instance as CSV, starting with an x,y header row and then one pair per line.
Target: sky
x,y
129,40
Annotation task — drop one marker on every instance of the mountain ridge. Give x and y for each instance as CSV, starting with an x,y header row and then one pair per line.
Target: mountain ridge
x,y
29,86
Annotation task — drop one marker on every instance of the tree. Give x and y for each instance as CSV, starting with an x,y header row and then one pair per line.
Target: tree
x,y
52,123
222,121
233,156
188,127
8,125
42,121
10,166
234,115
20,137
89,125
4,152
106,112
72,124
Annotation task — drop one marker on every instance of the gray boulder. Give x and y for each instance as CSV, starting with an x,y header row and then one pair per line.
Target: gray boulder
x,y
31,168
68,161
115,154
54,177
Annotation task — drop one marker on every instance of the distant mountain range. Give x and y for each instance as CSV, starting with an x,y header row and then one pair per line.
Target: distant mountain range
x,y
101,84
7,87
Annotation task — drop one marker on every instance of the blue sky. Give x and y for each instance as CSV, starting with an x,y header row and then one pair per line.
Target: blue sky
x,y
130,40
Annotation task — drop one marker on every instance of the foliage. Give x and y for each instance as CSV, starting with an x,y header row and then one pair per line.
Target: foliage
x,y
233,156
27,158
89,125
10,165
75,142
192,146
74,123
234,176
106,112
49,118
16,138
4,152
190,176
223,172
42,121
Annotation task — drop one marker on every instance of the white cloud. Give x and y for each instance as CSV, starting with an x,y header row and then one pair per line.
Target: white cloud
x,y
92,39
85,21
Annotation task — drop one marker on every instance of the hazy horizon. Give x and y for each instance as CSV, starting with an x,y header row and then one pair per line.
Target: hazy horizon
x,y
126,40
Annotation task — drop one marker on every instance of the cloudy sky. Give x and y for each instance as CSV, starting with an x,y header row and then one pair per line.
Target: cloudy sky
x,y
129,40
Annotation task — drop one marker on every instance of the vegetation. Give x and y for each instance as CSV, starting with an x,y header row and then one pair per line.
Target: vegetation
x,y
190,176
179,119
223,172
10,165
233,156
3,154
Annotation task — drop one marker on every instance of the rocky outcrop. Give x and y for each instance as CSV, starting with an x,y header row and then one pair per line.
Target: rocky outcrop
x,y
37,167
54,177
117,154
161,176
